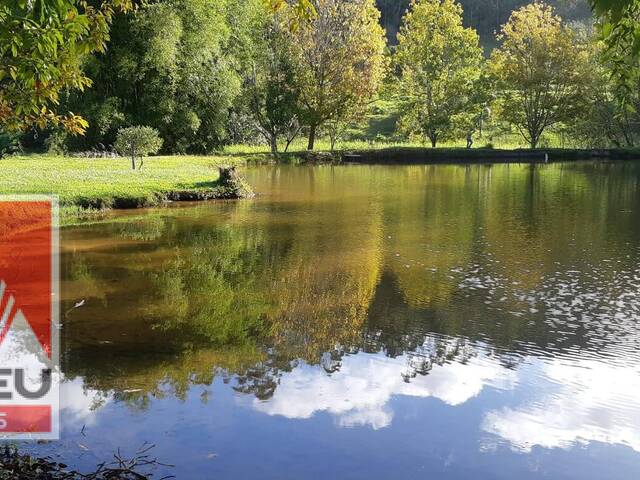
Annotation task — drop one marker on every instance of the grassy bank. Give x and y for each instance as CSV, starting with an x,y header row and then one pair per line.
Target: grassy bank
x,y
84,185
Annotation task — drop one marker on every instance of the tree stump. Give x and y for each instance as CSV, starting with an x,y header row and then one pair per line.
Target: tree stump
x,y
233,184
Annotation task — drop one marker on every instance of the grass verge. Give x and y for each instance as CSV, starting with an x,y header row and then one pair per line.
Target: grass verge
x,y
86,185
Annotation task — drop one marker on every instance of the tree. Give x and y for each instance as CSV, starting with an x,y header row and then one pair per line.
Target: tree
x,y
272,96
620,28
340,51
440,65
169,66
610,116
42,49
538,70
137,142
472,120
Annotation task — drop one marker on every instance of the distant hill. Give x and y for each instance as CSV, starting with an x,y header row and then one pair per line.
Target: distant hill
x,y
486,16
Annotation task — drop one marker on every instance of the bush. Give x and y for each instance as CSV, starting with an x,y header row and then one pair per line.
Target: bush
x,y
9,144
55,142
137,142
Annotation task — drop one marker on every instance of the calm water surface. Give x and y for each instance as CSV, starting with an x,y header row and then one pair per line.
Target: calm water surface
x,y
360,322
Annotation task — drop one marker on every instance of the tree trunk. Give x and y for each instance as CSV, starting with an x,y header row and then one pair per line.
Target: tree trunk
x,y
273,141
312,137
434,141
535,138
133,158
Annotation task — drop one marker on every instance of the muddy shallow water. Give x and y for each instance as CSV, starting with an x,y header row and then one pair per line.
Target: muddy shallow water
x,y
364,322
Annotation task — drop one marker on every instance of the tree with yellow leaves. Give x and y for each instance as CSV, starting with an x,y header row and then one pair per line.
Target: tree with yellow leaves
x,y
440,65
539,71
340,56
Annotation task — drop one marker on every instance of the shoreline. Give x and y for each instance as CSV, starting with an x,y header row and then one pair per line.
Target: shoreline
x,y
89,187
420,155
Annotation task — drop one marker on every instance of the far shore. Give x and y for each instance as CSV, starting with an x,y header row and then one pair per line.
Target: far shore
x,y
418,155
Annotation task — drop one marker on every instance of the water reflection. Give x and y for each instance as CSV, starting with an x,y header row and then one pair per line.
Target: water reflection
x,y
361,295
359,391
574,402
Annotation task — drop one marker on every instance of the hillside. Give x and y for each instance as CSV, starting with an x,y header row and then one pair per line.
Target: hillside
x,y
486,16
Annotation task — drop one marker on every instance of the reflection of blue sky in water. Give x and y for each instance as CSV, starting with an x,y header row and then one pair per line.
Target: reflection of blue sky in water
x,y
468,409
489,318
358,393
80,405
566,402
573,402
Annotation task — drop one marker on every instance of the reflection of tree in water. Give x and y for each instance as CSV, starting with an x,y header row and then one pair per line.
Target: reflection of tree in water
x,y
136,380
205,293
248,298
148,229
261,379
436,351
430,233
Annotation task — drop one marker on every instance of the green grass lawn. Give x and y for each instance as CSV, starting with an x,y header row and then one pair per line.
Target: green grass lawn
x,y
87,183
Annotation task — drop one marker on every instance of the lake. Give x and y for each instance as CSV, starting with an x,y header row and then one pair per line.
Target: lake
x,y
352,322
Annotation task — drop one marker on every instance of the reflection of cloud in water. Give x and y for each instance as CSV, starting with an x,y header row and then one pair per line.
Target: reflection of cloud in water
x,y
21,349
79,405
575,403
359,392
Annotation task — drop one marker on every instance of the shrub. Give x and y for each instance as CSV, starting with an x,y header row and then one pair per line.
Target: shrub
x,y
137,142
55,142
9,143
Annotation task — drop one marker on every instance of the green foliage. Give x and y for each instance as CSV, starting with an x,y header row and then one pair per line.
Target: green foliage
x,y
42,47
539,71
304,10
171,66
440,64
9,144
610,114
137,142
269,78
205,74
620,30
55,142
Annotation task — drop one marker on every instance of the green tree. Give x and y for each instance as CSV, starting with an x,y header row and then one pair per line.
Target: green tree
x,y
168,67
42,48
610,114
269,73
539,71
440,65
137,142
620,28
340,51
